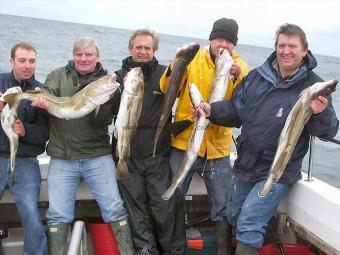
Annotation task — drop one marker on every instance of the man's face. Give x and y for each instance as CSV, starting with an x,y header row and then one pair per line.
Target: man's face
x,y
85,60
23,64
142,50
289,53
217,43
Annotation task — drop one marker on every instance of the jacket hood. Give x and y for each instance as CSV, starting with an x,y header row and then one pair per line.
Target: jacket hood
x,y
147,67
85,79
269,73
27,84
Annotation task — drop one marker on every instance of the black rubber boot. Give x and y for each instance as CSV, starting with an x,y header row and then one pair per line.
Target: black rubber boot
x,y
224,235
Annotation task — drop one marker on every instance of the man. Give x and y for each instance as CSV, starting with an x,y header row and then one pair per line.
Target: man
x,y
31,126
80,149
213,162
157,225
261,105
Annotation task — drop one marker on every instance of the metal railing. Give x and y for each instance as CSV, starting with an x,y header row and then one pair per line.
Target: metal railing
x,y
78,242
311,154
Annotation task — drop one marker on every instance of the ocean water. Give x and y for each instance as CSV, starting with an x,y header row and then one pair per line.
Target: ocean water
x,y
54,40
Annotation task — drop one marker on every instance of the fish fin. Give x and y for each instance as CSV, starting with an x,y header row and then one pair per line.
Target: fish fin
x,y
266,188
96,110
11,99
122,169
169,192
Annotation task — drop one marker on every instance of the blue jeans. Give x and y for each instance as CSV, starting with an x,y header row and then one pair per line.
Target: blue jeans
x,y
215,173
25,191
64,177
249,212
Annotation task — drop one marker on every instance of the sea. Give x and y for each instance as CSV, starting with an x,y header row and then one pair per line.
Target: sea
x,y
54,40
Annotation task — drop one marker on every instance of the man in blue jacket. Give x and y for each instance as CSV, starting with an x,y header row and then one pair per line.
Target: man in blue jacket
x,y
31,126
261,104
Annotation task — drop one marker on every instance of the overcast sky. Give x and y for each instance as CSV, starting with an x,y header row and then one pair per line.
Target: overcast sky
x,y
257,20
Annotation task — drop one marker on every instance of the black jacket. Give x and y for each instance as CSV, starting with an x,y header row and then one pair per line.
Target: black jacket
x,y
143,140
34,120
261,104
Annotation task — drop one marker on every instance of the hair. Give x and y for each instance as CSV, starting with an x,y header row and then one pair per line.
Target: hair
x,y
155,38
23,45
83,43
291,30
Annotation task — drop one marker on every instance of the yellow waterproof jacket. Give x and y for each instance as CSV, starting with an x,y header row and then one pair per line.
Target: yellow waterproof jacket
x,y
201,71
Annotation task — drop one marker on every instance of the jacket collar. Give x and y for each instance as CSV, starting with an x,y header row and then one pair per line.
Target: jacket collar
x,y
27,84
147,67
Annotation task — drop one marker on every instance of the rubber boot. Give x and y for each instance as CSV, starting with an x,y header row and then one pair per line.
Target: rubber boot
x,y
246,250
57,238
122,232
224,235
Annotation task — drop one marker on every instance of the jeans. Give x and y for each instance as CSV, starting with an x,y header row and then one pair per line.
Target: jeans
x,y
215,173
249,212
63,179
25,191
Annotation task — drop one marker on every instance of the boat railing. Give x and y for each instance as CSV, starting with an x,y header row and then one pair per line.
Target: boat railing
x,y
311,154
78,241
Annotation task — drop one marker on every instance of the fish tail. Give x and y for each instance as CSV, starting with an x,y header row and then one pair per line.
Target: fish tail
x,y
12,98
169,192
266,188
122,169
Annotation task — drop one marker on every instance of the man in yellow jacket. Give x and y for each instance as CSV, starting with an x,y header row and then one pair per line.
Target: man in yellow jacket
x,y
213,163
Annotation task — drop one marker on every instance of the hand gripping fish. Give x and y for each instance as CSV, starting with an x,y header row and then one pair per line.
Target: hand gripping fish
x,y
194,145
8,117
292,130
184,56
76,106
128,115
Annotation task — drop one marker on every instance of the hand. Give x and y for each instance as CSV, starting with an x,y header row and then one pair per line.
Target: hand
x,y
235,69
40,102
18,128
319,104
203,109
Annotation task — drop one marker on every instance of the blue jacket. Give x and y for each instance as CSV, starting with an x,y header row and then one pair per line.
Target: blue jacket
x,y
261,105
34,120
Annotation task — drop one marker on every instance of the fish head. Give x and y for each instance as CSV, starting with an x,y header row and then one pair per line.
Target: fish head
x,y
134,81
322,88
195,95
188,51
102,89
223,62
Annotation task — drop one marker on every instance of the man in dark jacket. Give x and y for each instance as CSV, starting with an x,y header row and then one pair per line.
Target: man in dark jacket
x,y
261,105
157,225
80,149
31,126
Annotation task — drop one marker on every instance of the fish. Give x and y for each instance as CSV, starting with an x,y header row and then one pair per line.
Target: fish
x,y
219,85
8,117
128,115
294,125
194,145
80,104
184,56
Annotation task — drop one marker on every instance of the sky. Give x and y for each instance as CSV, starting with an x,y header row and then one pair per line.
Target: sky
x,y
257,19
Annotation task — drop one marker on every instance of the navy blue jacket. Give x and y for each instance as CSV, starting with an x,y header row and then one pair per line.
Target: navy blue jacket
x,y
34,121
261,104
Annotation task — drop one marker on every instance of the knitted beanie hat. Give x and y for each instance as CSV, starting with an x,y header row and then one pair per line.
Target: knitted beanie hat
x,y
225,28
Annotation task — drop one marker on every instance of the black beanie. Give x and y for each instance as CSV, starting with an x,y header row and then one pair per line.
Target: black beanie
x,y
225,28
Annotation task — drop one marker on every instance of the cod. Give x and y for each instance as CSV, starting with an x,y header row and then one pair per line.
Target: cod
x,y
129,112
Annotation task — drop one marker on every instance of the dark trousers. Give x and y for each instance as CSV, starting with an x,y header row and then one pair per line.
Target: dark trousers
x,y
157,225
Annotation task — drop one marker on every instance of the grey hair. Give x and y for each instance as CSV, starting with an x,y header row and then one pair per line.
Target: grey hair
x,y
143,31
83,43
